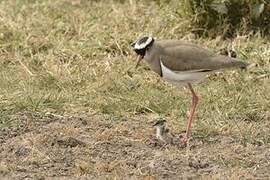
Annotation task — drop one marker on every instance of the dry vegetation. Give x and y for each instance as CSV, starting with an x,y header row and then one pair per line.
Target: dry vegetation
x,y
72,104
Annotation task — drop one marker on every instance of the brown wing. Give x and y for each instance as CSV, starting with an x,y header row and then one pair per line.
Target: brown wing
x,y
172,43
187,56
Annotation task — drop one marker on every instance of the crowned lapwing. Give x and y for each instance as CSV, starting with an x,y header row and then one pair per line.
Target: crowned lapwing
x,y
182,63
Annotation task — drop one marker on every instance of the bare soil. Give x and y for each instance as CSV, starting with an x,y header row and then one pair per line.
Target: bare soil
x,y
99,147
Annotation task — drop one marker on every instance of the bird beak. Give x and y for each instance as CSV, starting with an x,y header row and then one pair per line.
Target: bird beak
x,y
139,59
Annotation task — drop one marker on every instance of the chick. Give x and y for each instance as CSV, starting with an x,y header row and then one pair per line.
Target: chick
x,y
162,133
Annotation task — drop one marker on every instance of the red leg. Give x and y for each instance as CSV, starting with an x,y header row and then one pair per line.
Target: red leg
x,y
195,100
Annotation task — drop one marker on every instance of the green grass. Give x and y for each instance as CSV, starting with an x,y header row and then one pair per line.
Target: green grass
x,y
67,57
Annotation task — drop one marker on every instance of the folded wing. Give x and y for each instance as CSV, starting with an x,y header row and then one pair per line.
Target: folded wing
x,y
190,57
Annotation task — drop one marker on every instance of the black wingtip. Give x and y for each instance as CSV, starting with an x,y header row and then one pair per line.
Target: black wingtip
x,y
244,65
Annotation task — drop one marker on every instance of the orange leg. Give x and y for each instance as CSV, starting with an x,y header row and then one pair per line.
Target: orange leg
x,y
195,100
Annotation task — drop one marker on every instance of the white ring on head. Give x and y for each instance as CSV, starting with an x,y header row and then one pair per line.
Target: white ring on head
x,y
143,45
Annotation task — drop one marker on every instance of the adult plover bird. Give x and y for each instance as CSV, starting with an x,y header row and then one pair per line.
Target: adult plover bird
x,y
182,63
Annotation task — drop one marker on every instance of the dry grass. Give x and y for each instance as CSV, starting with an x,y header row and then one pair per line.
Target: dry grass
x,y
73,58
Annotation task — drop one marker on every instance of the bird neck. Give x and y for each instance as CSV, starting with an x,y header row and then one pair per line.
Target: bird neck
x,y
160,131
152,57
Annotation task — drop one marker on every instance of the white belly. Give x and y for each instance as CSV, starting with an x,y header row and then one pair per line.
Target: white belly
x,y
181,77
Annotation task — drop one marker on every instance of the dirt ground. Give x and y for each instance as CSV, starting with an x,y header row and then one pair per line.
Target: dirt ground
x,y
99,147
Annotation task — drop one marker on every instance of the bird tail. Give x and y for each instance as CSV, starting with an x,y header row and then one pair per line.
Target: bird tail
x,y
228,62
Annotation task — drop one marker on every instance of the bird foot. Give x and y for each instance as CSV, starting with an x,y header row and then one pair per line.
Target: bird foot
x,y
183,140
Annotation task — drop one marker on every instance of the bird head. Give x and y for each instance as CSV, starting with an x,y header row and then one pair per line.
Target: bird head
x,y
160,122
140,46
